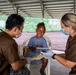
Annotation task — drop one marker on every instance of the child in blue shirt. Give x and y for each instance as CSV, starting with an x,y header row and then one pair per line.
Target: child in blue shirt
x,y
38,41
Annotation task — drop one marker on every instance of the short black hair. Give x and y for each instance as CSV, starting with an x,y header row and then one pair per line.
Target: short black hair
x,y
41,24
14,20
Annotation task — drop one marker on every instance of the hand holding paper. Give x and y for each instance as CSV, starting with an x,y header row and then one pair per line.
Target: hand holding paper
x,y
47,54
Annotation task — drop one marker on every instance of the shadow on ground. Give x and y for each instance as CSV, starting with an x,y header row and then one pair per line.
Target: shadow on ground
x,y
56,69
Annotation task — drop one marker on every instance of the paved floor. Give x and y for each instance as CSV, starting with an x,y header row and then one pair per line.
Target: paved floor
x,y
56,68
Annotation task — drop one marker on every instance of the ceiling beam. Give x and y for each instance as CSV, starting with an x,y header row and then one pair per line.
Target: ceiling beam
x,y
3,12
16,11
73,7
12,5
43,8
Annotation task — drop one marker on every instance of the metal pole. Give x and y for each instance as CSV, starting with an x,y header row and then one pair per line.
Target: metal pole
x,y
17,10
42,11
74,6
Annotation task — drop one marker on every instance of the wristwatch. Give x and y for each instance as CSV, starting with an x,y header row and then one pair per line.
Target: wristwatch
x,y
53,56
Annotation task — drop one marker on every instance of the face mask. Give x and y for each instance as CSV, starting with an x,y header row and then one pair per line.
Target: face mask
x,y
17,36
62,30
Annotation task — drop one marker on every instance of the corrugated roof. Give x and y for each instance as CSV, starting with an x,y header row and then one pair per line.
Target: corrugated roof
x,y
38,8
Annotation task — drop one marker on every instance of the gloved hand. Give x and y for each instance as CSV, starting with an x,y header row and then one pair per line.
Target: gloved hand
x,y
47,54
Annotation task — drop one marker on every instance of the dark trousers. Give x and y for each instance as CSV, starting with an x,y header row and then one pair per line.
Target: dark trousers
x,y
22,71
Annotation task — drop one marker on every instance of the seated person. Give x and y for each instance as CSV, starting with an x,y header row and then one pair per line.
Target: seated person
x,y
10,63
38,41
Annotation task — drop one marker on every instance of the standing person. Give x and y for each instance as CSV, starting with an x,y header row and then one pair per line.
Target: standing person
x,y
8,47
38,41
68,23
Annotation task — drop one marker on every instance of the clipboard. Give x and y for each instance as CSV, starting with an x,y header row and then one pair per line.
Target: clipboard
x,y
38,50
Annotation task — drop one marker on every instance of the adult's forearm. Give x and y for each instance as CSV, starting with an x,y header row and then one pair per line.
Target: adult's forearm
x,y
17,65
61,55
64,62
22,63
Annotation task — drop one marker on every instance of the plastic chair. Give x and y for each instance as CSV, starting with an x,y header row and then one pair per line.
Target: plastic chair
x,y
47,70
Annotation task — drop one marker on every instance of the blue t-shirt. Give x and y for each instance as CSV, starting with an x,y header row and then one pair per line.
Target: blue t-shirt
x,y
36,41
33,42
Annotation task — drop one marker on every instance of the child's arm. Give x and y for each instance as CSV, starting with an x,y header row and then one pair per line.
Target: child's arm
x,y
34,48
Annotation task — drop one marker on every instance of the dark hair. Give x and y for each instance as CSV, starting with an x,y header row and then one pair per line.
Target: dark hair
x,y
41,25
14,20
